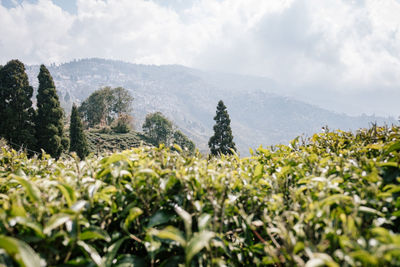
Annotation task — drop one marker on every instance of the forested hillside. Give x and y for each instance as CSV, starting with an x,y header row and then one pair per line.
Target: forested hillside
x,y
188,97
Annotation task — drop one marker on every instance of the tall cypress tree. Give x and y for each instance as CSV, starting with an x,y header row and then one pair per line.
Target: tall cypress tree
x,y
77,137
16,112
49,119
222,140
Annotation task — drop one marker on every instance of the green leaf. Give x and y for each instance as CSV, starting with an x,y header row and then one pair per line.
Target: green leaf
x,y
78,206
68,193
366,258
37,228
32,191
178,148
187,220
298,247
114,158
396,213
389,164
56,221
203,221
197,243
335,199
391,188
394,147
17,208
321,259
112,251
258,172
21,252
370,210
94,233
171,233
374,146
382,233
251,151
91,252
315,263
133,214
127,260
160,217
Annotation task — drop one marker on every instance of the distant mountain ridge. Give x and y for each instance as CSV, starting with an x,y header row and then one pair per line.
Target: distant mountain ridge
x,y
189,97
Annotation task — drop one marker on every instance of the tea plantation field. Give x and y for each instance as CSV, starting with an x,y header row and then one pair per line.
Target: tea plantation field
x,y
332,200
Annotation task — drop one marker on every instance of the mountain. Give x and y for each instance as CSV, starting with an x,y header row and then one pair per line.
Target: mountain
x,y
189,97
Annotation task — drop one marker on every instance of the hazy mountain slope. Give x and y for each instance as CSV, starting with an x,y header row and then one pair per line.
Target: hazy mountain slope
x,y
189,98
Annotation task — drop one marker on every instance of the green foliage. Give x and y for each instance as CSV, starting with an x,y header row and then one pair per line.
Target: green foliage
x,y
123,124
16,112
77,136
100,141
332,200
93,109
106,104
101,129
65,143
49,124
158,129
222,140
183,141
121,101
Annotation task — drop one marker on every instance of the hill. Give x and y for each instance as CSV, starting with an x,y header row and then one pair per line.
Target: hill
x,y
189,98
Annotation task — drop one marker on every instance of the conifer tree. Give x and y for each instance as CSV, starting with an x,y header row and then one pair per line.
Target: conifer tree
x,y
77,137
222,140
16,112
49,118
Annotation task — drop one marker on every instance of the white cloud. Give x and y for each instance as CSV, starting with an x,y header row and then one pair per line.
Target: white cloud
x,y
34,32
332,44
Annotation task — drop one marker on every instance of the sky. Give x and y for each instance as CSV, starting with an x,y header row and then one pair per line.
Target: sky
x,y
340,54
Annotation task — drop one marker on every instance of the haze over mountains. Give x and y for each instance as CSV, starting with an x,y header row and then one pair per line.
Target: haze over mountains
x,y
259,116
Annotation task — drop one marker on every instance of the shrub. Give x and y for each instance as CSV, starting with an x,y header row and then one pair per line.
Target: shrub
x,y
102,129
330,201
123,124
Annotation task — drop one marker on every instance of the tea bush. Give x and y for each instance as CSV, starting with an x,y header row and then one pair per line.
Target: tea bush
x,y
331,200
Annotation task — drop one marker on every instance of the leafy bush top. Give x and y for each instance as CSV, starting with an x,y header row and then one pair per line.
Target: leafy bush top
x,y
331,200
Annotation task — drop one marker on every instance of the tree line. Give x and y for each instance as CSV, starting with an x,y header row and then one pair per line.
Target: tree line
x,y
43,128
34,129
106,105
108,110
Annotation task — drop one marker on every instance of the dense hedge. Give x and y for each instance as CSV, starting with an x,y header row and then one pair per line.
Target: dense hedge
x,y
101,142
331,200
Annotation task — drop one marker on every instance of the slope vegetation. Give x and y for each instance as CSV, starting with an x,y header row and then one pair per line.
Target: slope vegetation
x,y
103,142
189,97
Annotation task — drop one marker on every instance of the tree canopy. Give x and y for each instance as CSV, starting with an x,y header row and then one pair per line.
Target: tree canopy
x,y
222,140
16,112
49,120
183,141
159,130
103,106
77,137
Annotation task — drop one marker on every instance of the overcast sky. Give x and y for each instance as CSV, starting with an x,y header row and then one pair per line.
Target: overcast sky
x,y
340,54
